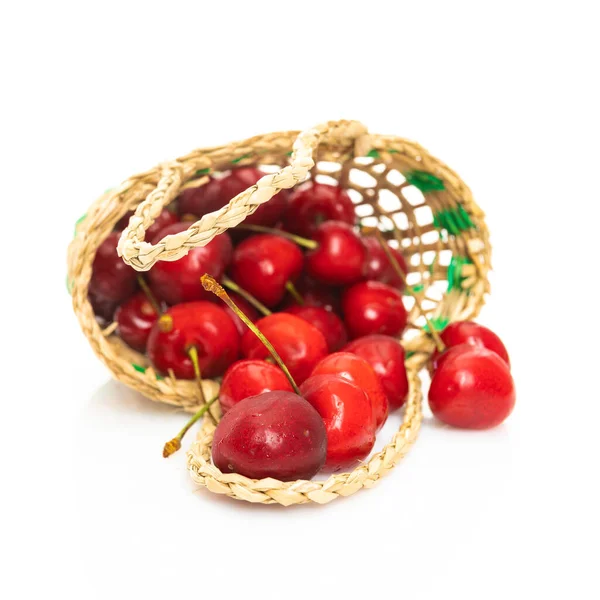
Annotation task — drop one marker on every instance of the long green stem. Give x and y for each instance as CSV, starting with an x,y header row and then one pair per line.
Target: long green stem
x,y
301,241
193,354
173,445
234,287
390,256
151,297
211,285
294,293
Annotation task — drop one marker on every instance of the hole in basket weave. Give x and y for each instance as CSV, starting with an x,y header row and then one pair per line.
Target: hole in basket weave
x,y
413,195
388,201
395,177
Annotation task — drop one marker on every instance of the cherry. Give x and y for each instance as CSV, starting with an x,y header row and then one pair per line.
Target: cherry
x,y
471,388
386,355
300,344
339,257
314,294
264,264
246,378
348,416
358,371
164,219
372,307
378,266
328,323
276,434
112,281
179,281
201,325
313,203
469,332
246,308
201,200
135,319
218,192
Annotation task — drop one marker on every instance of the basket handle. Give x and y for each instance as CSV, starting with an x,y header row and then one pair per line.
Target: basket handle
x,y
142,255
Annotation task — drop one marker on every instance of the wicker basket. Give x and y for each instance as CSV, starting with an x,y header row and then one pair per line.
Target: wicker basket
x,y
416,200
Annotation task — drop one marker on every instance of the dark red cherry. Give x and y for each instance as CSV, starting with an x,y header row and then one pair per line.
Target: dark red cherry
x,y
315,294
218,192
246,378
340,256
112,281
179,281
135,319
371,307
386,356
327,322
198,201
469,332
358,371
245,307
348,416
276,434
263,264
300,344
201,324
164,219
471,388
379,268
314,203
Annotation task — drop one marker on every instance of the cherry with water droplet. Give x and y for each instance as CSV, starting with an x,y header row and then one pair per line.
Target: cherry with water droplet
x,y
371,307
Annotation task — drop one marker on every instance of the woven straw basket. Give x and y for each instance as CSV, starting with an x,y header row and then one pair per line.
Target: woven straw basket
x,y
417,201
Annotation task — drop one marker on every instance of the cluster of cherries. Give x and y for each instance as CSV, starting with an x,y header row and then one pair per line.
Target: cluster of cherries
x,y
307,340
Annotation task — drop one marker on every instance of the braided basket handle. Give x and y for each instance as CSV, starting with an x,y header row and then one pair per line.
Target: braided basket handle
x,y
142,255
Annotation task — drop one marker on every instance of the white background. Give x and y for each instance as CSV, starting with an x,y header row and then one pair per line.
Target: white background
x,y
505,93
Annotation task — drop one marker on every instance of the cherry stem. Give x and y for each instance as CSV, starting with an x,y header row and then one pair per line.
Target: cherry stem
x,y
392,259
193,354
234,287
173,445
151,297
211,285
304,242
294,293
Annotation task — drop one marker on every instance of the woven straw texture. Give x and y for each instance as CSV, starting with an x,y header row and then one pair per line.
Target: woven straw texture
x,y
420,204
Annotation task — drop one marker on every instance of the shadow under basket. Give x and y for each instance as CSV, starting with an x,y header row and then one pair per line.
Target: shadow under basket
x,y
419,204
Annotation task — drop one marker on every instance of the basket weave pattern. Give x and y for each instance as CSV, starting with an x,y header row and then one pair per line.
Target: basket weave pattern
x,y
418,202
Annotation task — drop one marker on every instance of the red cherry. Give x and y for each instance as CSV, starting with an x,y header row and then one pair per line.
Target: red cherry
x,y
201,200
276,434
328,323
263,264
314,294
340,256
164,219
313,203
348,416
379,268
300,344
135,319
371,307
471,388
469,332
386,356
358,371
246,378
112,281
179,281
201,324
246,308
